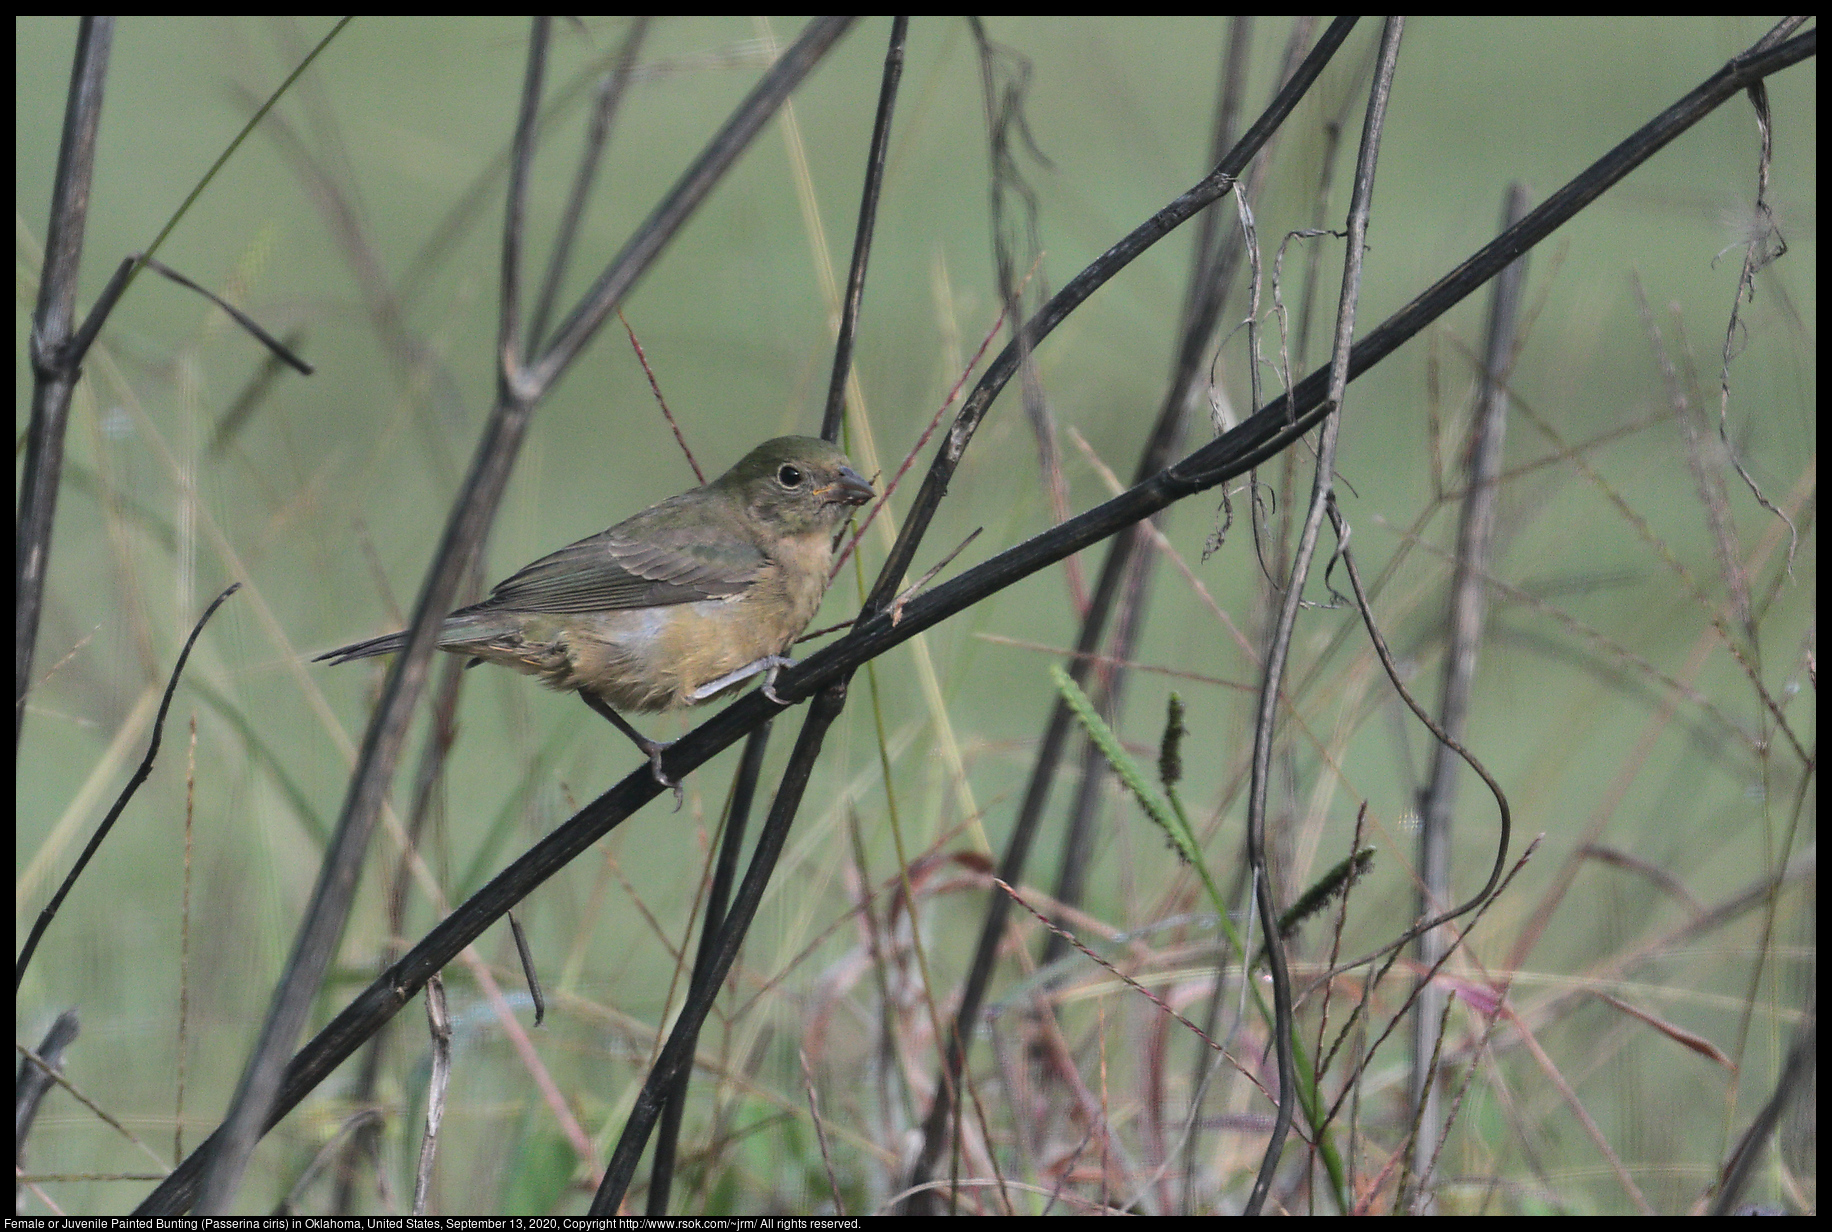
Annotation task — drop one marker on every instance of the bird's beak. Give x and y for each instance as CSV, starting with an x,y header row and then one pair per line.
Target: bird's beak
x,y
848,489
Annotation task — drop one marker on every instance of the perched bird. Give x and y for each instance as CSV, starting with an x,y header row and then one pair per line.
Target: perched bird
x,y
676,605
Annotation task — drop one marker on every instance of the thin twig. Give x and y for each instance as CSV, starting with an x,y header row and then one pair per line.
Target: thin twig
x,y
597,136
661,401
439,1026
1164,1006
915,588
909,458
862,236
820,1130
1466,617
140,774
529,972
1360,205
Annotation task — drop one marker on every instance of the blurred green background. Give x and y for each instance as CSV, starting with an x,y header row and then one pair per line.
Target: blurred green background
x,y
342,218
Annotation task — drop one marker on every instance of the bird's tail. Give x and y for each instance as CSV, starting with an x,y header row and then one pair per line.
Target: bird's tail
x,y
387,644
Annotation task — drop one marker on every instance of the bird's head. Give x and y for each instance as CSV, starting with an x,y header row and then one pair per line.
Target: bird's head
x,y
796,485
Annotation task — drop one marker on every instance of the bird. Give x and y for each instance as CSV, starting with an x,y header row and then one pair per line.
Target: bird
x,y
676,605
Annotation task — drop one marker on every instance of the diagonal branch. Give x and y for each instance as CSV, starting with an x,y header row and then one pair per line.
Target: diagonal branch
x,y
705,172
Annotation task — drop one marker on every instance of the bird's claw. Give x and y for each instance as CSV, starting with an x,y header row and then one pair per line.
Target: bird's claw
x,y
655,768
777,663
769,685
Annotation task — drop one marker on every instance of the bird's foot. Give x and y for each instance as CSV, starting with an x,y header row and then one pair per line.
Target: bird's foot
x,y
655,749
769,678
768,663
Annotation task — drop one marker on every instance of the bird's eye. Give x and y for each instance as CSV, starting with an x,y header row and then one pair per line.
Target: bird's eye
x,y
789,476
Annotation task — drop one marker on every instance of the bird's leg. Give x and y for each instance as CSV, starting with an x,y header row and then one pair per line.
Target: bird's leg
x,y
769,663
652,749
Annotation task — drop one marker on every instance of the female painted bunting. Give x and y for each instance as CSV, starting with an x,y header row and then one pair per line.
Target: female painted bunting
x,y
677,604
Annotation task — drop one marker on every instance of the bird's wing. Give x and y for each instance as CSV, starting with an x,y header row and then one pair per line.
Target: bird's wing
x,y
648,561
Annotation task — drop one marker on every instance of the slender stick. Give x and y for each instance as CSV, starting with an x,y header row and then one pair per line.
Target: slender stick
x,y
1360,206
145,768
54,378
597,135
1467,612
868,221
